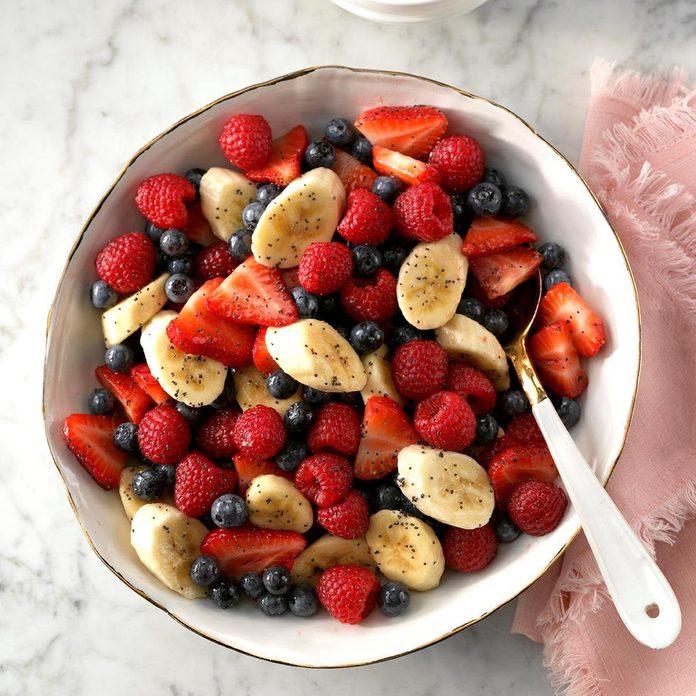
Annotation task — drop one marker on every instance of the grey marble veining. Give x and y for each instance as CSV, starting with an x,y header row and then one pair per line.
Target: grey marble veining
x,y
84,84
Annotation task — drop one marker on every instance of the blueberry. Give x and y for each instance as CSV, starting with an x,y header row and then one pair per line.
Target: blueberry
x,y
343,330
485,199
388,496
461,213
404,334
276,580
125,437
266,193
204,571
393,255
320,153
362,149
272,605
229,510
393,598
291,456
505,530
103,295
100,402
515,201
174,242
366,260
495,176
299,416
179,287
329,306
486,429
225,593
353,399
194,176
307,303
280,384
148,484
168,472
513,403
154,232
227,397
366,337
251,214
191,414
302,601
240,245
339,132
555,277
568,411
315,396
252,585
182,264
554,255
496,321
472,308
387,188
119,357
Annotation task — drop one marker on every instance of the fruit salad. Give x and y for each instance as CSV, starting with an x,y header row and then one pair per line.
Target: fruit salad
x,y
304,399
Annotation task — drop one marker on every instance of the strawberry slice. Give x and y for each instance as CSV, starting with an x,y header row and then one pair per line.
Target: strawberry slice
x,y
248,469
146,381
554,355
254,294
198,228
384,431
519,463
403,167
490,235
251,550
290,277
198,331
89,439
352,173
284,164
263,361
134,400
500,273
563,304
488,452
525,429
474,289
410,130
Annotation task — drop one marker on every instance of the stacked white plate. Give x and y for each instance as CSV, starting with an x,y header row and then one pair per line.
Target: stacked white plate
x,y
407,11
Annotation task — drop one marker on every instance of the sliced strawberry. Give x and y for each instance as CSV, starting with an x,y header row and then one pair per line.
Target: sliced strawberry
x,y
284,164
248,469
263,361
554,355
145,380
410,130
563,304
198,331
89,439
254,294
500,273
490,235
290,277
519,463
134,400
403,167
474,289
487,453
352,173
385,431
525,429
198,228
251,550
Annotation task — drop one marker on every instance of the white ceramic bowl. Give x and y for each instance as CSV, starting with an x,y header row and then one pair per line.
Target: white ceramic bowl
x,y
563,210
408,11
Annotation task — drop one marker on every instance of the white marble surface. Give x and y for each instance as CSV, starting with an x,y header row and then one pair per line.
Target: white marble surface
x,y
84,84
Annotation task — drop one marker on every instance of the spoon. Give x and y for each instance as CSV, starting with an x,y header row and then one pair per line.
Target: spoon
x,y
642,596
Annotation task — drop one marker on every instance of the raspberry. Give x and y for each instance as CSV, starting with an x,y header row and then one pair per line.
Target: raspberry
x,y
127,262
259,432
459,162
215,434
537,507
324,267
161,199
163,435
199,482
348,592
246,141
367,220
445,420
419,369
469,550
336,427
259,353
324,478
370,299
214,261
347,519
424,212
525,429
471,384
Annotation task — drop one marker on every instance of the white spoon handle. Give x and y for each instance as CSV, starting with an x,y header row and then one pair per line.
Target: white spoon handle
x,y
643,598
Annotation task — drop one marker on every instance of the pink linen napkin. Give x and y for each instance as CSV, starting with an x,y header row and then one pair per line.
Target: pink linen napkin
x,y
639,157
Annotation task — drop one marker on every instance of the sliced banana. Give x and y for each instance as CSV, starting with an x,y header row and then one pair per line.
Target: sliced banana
x,y
316,355
276,503
308,210
224,193
379,376
431,282
467,340
131,502
193,379
448,486
167,542
250,386
329,551
406,549
130,314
